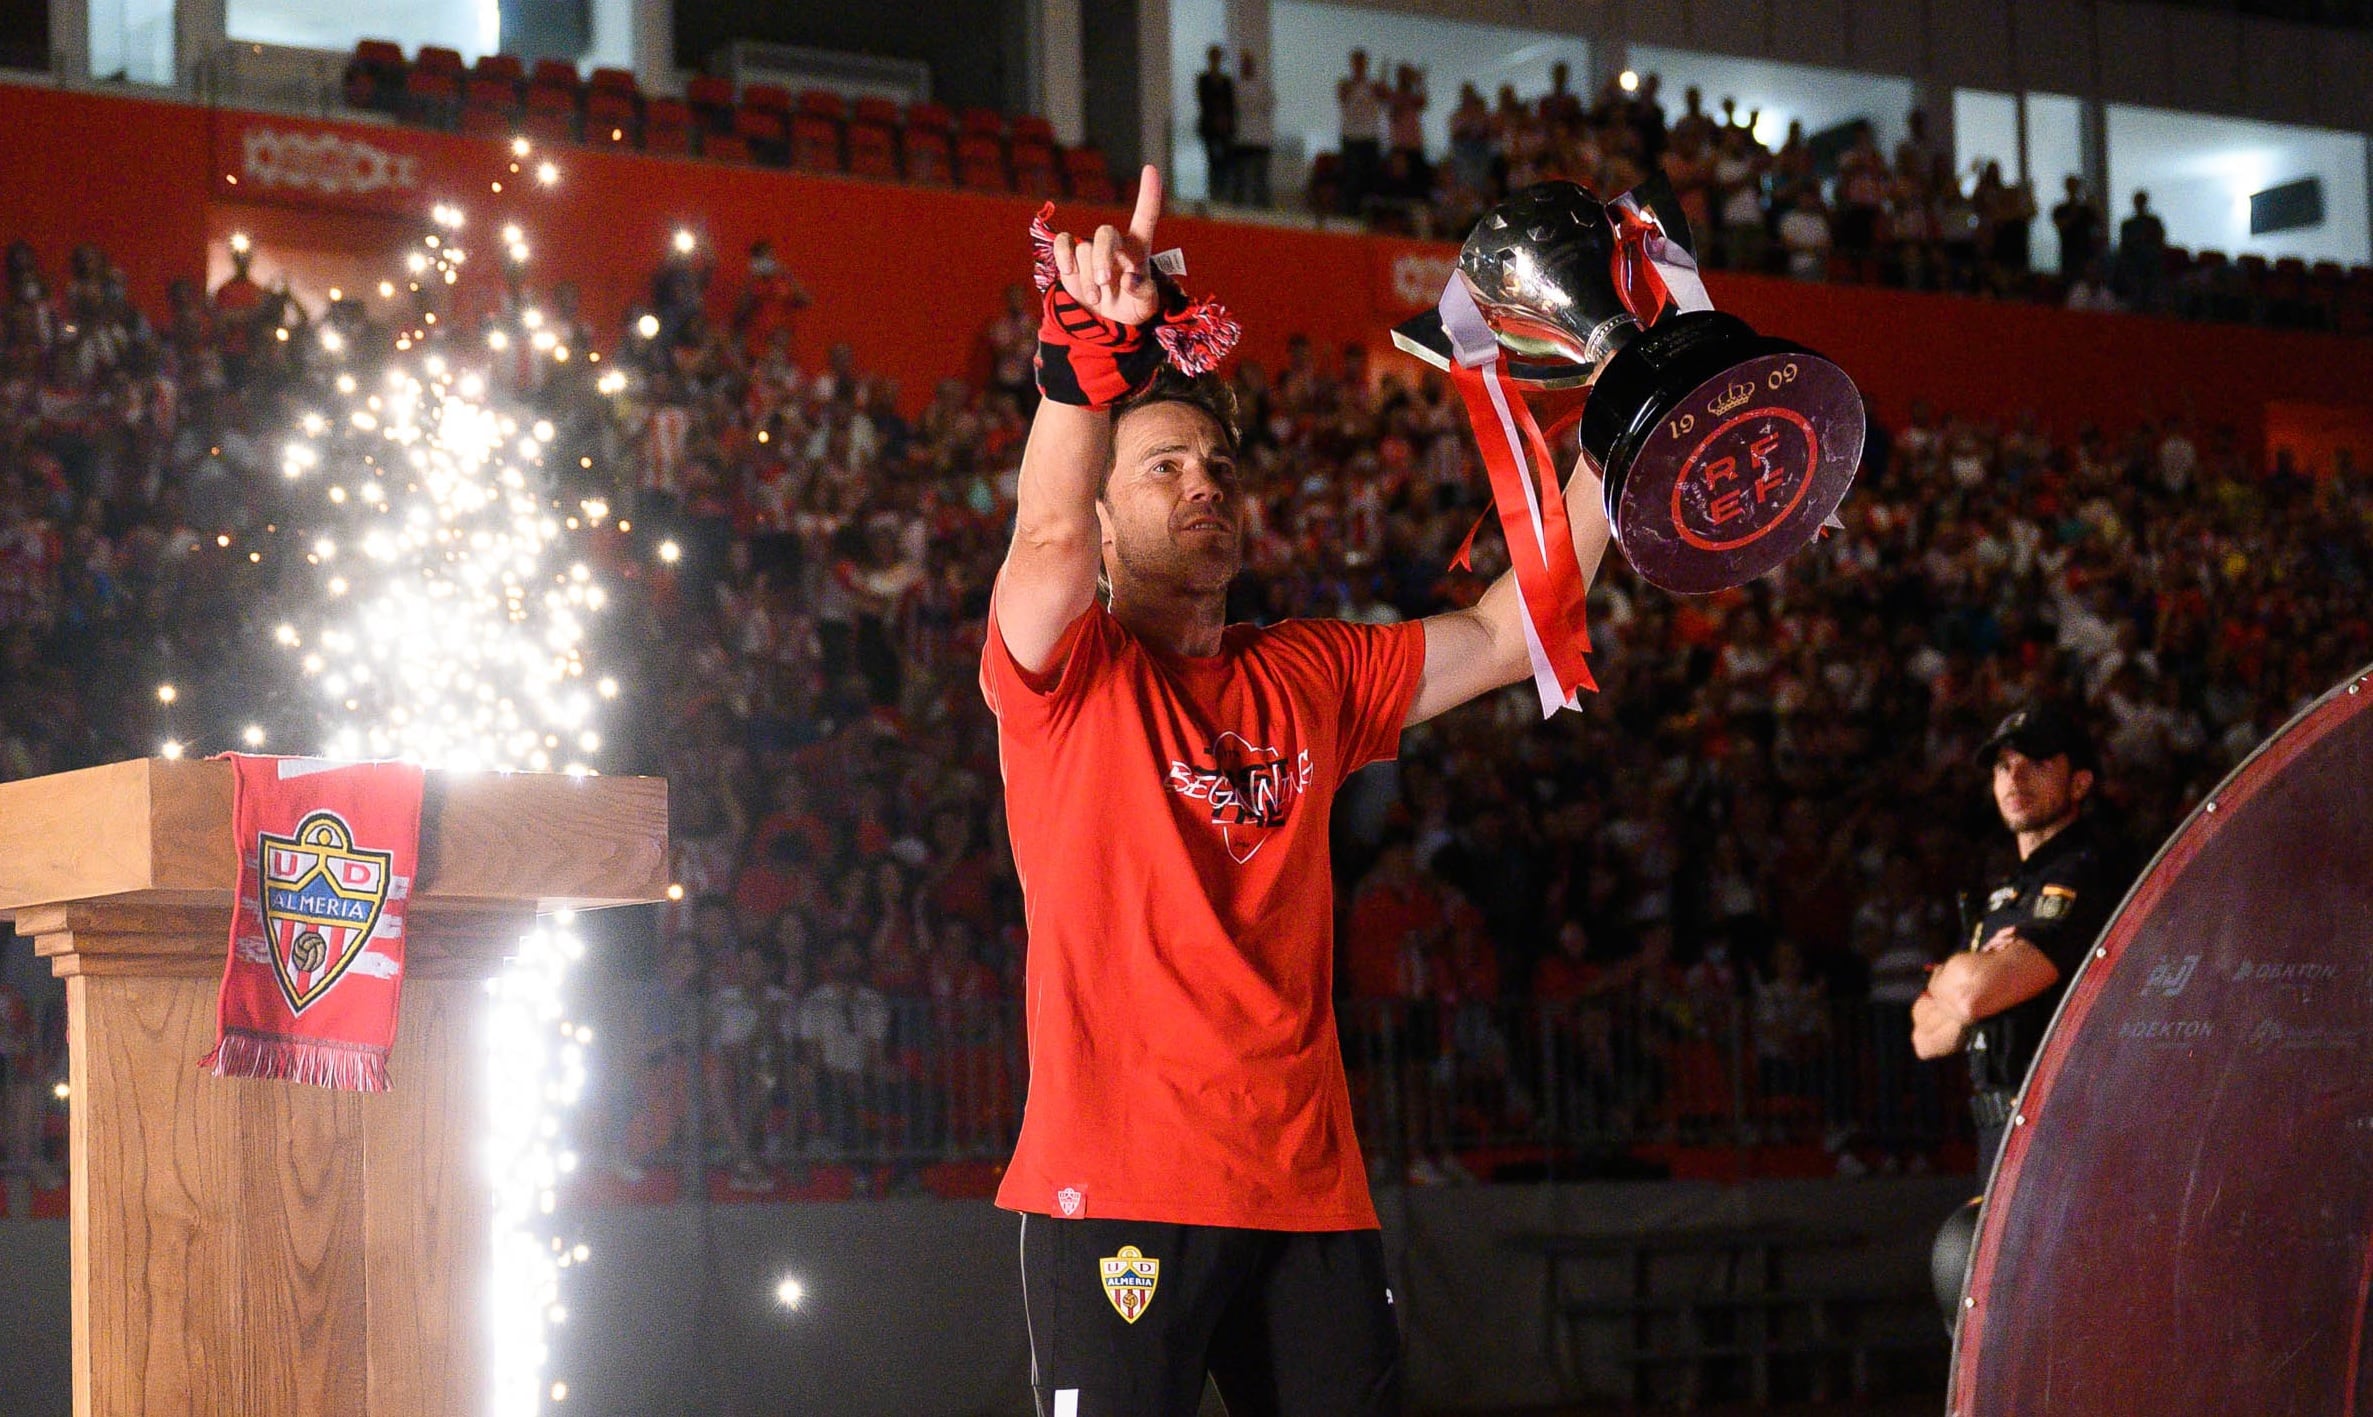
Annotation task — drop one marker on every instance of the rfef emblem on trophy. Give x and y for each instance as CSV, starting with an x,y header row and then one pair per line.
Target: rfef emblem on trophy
x,y
1723,452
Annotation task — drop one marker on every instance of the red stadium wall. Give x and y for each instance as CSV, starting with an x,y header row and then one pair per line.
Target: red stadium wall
x,y
910,276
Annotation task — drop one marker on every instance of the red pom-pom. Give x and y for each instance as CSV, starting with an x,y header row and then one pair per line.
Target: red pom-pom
x,y
1200,336
1042,247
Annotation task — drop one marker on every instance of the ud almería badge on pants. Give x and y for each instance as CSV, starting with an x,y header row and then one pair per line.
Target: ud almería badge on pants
x,y
1129,1279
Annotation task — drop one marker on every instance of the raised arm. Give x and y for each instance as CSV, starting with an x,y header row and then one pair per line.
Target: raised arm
x,y
1481,648
1049,576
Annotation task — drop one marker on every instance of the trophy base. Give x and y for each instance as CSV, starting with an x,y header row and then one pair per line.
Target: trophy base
x,y
1723,451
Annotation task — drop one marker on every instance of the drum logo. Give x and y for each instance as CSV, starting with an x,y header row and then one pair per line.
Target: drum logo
x,y
1129,1279
322,899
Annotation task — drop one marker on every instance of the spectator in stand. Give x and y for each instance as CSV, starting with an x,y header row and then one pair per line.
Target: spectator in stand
x,y
1405,116
844,1024
2006,214
769,305
1256,133
1360,109
1215,120
241,307
1861,200
1013,343
1471,132
2139,275
1561,107
2078,221
1805,236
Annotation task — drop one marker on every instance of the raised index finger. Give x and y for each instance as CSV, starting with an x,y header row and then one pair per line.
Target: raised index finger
x,y
1149,206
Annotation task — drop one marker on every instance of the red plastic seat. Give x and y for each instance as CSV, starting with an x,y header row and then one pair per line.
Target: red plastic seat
x,y
375,76
556,73
926,155
980,164
815,144
1087,175
724,147
615,81
1034,171
768,98
825,104
505,67
873,108
432,96
484,91
982,122
873,150
437,59
667,127
711,101
931,118
610,117
765,132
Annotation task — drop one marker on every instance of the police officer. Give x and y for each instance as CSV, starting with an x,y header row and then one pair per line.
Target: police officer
x,y
1995,996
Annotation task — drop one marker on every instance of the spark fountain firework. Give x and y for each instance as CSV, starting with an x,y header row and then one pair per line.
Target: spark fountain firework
x,y
444,619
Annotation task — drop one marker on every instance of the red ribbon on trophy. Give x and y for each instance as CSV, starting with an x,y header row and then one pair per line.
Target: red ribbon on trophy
x,y
1531,507
1654,275
327,853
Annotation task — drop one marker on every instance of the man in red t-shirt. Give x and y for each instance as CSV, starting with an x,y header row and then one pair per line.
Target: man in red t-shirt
x,y
1187,1146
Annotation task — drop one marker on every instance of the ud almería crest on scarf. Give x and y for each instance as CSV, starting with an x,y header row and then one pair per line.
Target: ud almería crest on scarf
x,y
322,898
1129,1279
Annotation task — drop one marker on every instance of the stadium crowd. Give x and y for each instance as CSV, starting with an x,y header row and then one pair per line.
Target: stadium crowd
x,y
1827,207
1754,830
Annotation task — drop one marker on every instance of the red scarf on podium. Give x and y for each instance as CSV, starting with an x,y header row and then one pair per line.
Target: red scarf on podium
x,y
327,853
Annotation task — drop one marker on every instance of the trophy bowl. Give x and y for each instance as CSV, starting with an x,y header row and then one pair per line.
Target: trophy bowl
x,y
1723,451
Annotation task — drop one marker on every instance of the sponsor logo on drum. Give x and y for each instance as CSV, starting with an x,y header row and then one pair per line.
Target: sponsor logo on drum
x,y
2167,1030
2302,1038
2297,973
2169,976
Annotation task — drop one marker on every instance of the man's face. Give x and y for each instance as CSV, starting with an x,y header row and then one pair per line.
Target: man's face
x,y
1171,511
2031,794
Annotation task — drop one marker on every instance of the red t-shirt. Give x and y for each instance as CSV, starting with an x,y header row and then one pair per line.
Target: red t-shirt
x,y
1169,823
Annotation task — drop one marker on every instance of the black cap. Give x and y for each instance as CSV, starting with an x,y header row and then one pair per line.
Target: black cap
x,y
2041,732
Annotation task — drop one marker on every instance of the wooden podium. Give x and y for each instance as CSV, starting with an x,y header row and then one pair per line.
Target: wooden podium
x,y
248,1247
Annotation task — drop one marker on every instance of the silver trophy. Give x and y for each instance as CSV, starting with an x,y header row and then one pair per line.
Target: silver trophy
x,y
1723,451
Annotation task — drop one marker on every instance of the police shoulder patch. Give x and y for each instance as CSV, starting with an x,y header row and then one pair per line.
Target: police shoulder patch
x,y
2053,902
1129,1280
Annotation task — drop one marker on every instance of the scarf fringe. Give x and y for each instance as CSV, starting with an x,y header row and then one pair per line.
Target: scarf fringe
x,y
1042,247
1200,336
348,1067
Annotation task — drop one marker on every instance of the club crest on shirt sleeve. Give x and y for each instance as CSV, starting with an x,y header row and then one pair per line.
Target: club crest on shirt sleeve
x,y
1129,1280
2054,902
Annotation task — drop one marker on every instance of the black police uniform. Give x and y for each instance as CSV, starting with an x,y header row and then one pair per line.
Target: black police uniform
x,y
2057,900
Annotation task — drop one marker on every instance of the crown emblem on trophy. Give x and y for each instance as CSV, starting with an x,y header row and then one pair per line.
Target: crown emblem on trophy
x,y
1731,398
